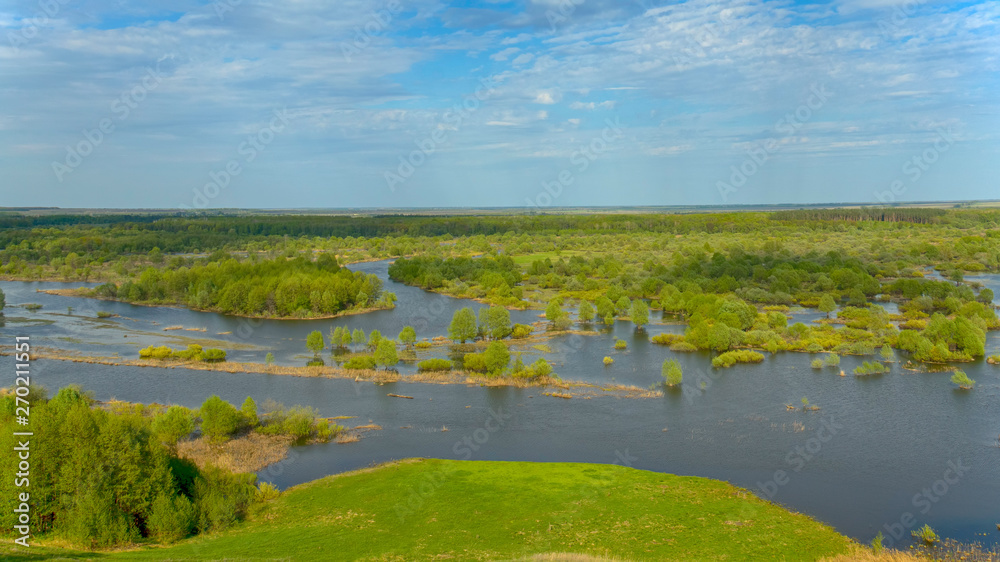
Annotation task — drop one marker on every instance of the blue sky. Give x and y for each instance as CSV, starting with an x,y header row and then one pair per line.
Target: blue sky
x,y
414,103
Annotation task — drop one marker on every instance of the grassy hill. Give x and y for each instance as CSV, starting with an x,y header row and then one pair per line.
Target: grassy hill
x,y
475,510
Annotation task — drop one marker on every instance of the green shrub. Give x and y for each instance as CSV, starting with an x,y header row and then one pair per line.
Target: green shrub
x,y
497,357
266,492
730,358
192,352
667,339
213,355
817,364
299,421
154,352
360,362
173,425
171,519
608,361
671,371
683,346
423,345
219,419
434,364
521,331
832,360
926,534
962,380
871,368
620,344
103,314
474,362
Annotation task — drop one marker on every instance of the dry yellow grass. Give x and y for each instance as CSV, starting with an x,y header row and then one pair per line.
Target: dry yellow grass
x,y
248,453
575,388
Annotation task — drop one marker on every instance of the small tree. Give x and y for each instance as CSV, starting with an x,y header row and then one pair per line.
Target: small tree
x,y
463,325
887,354
314,342
623,305
497,357
554,310
672,374
385,353
336,337
219,419
374,338
407,336
585,312
358,337
962,380
249,411
173,425
639,312
827,304
832,360
498,322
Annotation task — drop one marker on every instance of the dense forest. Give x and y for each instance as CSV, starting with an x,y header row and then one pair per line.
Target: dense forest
x,y
110,475
283,287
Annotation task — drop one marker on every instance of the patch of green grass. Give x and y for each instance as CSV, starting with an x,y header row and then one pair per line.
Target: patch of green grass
x,y
474,510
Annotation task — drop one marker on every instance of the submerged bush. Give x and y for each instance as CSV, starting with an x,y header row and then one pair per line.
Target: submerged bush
x,y
962,380
667,339
434,364
730,358
608,360
871,368
620,344
360,362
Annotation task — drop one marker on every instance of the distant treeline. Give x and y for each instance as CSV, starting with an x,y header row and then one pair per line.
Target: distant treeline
x,y
883,214
96,240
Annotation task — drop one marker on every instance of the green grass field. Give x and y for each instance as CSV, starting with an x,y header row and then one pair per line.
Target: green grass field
x,y
479,510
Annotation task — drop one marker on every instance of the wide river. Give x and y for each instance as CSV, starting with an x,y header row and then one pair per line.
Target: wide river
x,y
880,449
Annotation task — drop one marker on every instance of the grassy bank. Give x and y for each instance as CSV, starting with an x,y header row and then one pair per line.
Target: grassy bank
x,y
478,510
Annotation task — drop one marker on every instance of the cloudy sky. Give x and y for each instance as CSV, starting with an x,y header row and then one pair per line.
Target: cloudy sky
x,y
411,103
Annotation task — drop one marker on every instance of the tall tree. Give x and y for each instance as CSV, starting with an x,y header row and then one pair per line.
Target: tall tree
x,y
407,336
639,312
463,325
585,312
314,342
385,353
498,322
827,304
